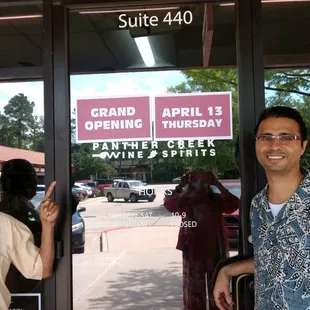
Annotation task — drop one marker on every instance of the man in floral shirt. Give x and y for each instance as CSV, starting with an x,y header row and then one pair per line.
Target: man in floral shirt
x,y
280,219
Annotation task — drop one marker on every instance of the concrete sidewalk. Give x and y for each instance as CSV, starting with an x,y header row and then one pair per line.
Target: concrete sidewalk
x,y
120,239
129,269
128,280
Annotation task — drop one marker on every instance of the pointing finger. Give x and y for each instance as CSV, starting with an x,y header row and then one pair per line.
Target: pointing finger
x,y
50,190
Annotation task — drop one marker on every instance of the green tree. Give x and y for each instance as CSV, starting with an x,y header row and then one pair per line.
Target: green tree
x,y
86,165
290,88
36,135
213,81
291,82
19,112
7,136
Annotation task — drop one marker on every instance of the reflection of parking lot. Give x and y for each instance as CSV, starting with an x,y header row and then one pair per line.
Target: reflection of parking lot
x,y
128,280
125,267
102,215
128,267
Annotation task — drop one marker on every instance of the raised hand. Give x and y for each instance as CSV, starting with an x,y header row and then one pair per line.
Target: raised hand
x,y
184,180
211,179
49,209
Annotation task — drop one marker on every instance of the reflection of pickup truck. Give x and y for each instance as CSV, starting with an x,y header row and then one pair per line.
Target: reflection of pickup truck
x,y
132,190
103,183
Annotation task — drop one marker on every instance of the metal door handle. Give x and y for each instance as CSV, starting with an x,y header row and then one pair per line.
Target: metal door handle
x,y
241,277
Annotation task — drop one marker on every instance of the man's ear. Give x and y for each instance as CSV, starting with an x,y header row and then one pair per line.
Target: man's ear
x,y
304,146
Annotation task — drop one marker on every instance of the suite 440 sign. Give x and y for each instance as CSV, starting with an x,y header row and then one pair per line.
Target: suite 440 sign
x,y
200,116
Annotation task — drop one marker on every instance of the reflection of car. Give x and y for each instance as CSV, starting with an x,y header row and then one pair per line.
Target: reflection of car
x,y
132,190
88,189
93,185
102,183
40,188
79,189
78,225
232,220
115,181
176,180
78,194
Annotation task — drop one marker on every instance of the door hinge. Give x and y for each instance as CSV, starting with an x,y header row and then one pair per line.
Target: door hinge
x,y
59,249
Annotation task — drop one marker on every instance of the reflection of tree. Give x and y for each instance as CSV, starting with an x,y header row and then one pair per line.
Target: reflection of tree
x,y
36,135
289,88
293,90
168,168
213,81
19,127
86,165
291,82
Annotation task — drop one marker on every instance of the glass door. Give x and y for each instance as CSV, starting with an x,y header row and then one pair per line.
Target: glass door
x,y
147,111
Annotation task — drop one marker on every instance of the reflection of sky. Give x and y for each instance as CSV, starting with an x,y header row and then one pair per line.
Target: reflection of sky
x,y
99,85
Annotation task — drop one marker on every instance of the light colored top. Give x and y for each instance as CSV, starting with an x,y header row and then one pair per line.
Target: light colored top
x,y
275,208
17,247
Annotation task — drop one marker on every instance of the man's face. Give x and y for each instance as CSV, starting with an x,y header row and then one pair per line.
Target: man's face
x,y
198,180
276,156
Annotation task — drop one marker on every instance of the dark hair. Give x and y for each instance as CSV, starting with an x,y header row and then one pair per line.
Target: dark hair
x,y
287,112
19,178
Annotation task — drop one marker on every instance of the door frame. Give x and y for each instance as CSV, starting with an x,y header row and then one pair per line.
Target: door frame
x,y
250,66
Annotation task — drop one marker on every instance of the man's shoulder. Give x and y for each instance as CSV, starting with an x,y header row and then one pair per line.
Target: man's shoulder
x,y
303,190
8,220
259,196
306,182
6,217
257,201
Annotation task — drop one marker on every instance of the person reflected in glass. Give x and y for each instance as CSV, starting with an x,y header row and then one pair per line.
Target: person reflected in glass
x,y
202,235
23,255
19,185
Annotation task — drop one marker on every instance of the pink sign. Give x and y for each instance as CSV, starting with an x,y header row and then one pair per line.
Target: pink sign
x,y
113,119
193,116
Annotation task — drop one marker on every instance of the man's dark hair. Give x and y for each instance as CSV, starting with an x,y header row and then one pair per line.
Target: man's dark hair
x,y
19,178
287,112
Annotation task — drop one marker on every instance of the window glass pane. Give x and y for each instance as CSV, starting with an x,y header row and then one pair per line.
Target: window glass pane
x,y
22,133
290,85
150,110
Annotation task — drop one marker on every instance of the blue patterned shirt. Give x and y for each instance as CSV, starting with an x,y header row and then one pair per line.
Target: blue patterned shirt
x,y
282,251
